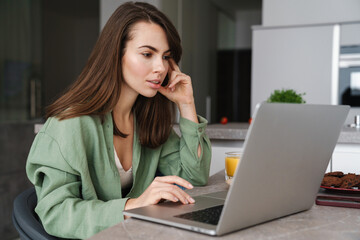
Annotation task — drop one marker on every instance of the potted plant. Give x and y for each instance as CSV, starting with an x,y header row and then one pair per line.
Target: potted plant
x,y
286,96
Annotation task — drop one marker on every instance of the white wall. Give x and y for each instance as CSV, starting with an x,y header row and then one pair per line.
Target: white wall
x,y
300,12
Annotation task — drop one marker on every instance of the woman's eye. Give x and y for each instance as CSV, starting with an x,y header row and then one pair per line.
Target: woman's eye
x,y
146,54
166,57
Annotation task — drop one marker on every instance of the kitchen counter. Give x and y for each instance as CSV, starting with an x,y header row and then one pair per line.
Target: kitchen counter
x,y
238,131
320,222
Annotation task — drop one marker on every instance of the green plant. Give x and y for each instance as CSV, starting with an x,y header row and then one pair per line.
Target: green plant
x,y
286,96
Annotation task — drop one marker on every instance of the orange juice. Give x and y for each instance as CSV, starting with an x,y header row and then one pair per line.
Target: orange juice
x,y
231,161
230,165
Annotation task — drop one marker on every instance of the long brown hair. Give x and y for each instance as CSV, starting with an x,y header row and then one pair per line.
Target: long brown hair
x,y
97,89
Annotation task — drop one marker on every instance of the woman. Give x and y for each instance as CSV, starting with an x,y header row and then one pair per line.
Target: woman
x,y
108,137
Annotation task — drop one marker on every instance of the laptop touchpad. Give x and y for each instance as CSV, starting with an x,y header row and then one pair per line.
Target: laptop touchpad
x,y
218,195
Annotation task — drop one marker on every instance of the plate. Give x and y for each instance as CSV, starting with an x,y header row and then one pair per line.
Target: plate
x,y
342,190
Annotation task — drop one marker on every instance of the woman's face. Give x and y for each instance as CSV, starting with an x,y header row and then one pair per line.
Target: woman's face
x,y
145,61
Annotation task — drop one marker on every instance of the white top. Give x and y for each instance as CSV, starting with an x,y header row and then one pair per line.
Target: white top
x,y
126,177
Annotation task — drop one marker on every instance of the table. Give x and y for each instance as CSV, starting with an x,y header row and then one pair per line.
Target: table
x,y
320,222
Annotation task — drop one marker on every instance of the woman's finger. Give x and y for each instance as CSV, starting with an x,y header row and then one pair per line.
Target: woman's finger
x,y
173,65
167,196
179,78
173,83
174,190
165,91
175,179
179,194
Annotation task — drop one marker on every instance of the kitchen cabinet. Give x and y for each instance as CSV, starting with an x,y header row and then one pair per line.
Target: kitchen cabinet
x,y
294,12
303,58
350,34
346,158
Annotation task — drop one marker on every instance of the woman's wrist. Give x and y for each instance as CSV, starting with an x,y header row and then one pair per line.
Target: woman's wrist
x,y
188,111
130,204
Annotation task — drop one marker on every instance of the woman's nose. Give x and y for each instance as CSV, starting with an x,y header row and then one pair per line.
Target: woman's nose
x,y
159,65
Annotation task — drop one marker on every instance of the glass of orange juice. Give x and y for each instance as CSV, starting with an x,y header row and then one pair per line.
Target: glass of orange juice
x,y
232,159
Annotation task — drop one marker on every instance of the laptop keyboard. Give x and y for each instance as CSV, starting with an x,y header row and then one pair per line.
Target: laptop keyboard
x,y
207,215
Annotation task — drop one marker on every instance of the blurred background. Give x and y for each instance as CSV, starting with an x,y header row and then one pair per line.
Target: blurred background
x,y
45,44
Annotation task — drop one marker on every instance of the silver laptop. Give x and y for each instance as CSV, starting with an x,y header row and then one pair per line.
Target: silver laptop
x,y
286,152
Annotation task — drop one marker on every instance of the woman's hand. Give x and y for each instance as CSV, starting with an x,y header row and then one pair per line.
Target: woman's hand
x,y
162,188
179,90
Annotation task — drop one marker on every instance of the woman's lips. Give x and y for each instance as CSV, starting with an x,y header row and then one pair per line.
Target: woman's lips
x,y
156,84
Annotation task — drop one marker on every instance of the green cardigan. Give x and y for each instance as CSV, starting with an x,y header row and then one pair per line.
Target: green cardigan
x,y
71,163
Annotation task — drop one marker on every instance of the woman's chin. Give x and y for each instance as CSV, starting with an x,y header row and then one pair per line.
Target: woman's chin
x,y
149,94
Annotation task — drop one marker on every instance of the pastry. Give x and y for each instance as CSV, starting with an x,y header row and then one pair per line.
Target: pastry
x,y
349,180
335,174
330,181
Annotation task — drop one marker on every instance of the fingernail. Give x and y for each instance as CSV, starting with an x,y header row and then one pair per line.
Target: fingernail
x,y
176,199
191,186
191,200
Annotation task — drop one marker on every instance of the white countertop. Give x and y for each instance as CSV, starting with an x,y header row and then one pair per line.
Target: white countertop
x,y
238,131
